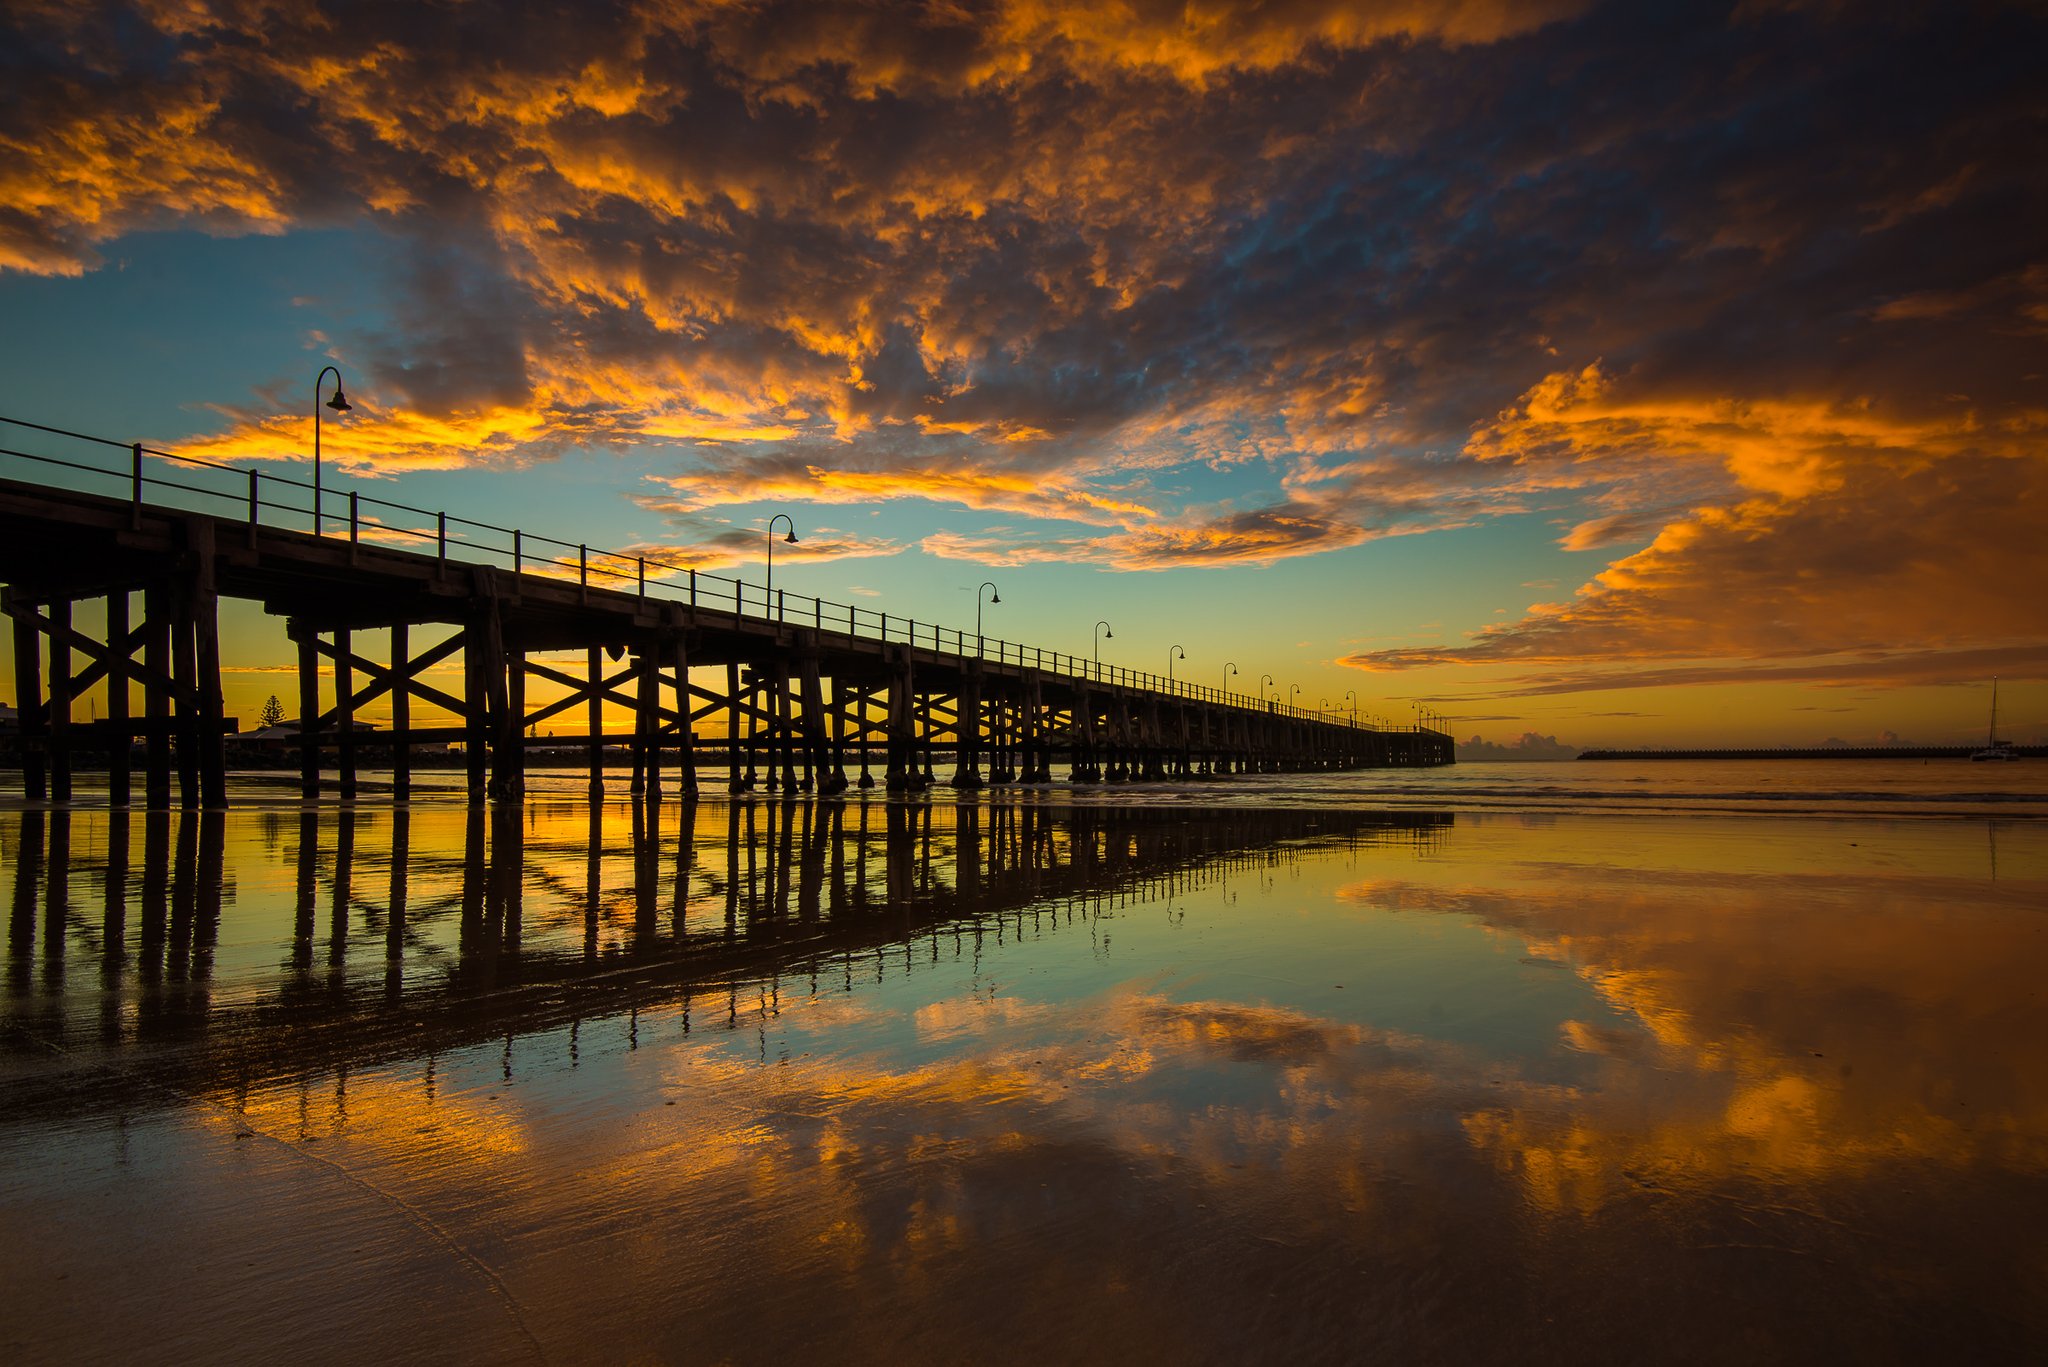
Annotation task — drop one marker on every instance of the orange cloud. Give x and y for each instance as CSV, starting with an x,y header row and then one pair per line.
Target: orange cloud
x,y
1051,260
1841,530
1049,497
1251,538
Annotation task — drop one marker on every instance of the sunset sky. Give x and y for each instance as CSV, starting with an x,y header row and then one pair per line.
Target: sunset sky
x,y
1630,373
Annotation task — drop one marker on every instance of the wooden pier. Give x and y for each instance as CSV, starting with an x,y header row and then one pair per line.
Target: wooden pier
x,y
789,694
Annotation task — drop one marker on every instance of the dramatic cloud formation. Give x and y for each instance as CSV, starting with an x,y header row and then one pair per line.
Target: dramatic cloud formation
x,y
1750,297
1837,530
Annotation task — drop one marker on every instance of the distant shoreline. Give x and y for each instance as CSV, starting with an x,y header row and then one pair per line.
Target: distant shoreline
x,y
1819,752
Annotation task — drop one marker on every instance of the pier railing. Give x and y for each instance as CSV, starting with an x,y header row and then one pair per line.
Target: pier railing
x,y
149,476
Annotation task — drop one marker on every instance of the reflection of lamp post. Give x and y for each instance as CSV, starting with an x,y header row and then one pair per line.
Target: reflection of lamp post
x,y
1228,670
1102,633
1169,665
339,403
769,606
993,597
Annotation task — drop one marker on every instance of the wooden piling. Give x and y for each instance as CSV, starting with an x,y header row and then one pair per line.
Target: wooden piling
x,y
401,713
897,773
686,758
595,657
967,733
647,702
345,711
476,712
119,737
184,670
785,705
504,711
156,698
863,732
60,700
732,727
509,754
28,699
203,600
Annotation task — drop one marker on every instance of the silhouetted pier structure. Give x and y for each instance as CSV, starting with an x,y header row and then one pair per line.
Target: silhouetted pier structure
x,y
810,696
551,927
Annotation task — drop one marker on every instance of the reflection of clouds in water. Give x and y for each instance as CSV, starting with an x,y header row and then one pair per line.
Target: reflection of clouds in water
x,y
1786,1069
1777,1029
1791,1030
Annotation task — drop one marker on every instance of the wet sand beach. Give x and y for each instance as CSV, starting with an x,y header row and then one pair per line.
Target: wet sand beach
x,y
1023,1080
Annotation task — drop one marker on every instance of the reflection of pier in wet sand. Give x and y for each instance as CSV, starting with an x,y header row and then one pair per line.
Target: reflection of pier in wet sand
x,y
511,921
1018,1081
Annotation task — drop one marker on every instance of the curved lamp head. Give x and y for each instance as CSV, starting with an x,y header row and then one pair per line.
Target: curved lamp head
x,y
1108,635
339,403
790,539
995,598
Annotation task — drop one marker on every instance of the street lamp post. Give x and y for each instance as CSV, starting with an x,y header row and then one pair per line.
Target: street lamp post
x,y
1351,696
1169,665
1292,689
1228,670
993,598
768,607
1264,679
339,403
1102,633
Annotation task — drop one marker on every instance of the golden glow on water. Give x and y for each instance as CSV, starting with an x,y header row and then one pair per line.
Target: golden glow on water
x,y
1014,1081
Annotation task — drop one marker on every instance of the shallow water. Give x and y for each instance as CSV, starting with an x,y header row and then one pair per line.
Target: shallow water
x,y
1021,1081
1940,787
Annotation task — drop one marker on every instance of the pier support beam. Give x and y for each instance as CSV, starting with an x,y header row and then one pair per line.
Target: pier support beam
x,y
401,713
967,730
679,654
28,698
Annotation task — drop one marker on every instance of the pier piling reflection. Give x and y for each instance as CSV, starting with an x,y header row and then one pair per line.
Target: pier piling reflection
x,y
1770,1089
460,938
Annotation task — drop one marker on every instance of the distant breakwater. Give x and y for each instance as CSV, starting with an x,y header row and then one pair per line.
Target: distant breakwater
x,y
1819,752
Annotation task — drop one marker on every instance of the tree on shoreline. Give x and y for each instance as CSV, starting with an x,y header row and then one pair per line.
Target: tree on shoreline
x,y
272,713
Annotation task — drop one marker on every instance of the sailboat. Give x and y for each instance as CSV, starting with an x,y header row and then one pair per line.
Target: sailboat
x,y
1994,748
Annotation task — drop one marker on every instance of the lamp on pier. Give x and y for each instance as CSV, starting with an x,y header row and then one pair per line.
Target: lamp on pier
x,y
769,606
1102,633
993,598
1169,664
1228,670
340,404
